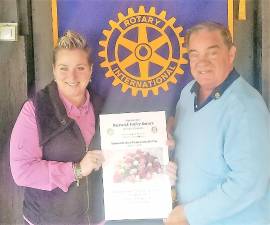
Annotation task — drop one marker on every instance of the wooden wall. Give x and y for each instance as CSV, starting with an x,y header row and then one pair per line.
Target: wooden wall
x,y
13,92
244,43
264,19
25,65
42,41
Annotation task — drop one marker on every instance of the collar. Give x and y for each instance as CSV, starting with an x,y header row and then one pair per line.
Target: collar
x,y
70,108
217,92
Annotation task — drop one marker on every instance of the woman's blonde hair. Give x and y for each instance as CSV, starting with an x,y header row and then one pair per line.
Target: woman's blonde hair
x,y
72,40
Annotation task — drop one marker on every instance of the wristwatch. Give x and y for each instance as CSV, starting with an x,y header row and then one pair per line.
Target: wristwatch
x,y
77,170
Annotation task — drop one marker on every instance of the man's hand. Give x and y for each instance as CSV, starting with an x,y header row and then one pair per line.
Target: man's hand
x,y
170,142
170,129
172,171
176,217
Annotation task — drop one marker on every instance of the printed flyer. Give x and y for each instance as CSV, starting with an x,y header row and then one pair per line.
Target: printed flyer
x,y
136,185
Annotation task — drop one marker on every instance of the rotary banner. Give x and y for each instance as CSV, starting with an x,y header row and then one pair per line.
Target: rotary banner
x,y
140,59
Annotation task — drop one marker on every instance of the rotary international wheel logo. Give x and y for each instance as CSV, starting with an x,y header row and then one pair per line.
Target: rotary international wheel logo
x,y
143,51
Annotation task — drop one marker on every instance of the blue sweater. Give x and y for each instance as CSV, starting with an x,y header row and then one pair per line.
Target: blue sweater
x,y
223,155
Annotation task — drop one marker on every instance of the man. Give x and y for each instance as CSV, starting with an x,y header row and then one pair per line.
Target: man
x,y
222,135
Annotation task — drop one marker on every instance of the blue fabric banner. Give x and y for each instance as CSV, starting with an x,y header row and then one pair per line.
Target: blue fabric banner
x,y
140,63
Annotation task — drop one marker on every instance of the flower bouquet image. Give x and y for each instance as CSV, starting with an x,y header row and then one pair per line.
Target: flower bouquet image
x,y
136,166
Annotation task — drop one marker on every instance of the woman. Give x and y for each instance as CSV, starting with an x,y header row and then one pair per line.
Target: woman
x,y
50,143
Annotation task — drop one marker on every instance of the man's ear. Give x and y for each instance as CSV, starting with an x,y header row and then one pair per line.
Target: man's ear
x,y
232,53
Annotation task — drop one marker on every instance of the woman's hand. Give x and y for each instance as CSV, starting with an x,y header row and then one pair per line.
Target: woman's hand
x,y
91,161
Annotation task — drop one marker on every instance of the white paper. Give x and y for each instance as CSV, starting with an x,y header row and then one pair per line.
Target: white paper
x,y
136,185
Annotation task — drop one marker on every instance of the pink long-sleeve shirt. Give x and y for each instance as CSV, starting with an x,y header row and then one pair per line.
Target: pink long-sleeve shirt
x,y
27,167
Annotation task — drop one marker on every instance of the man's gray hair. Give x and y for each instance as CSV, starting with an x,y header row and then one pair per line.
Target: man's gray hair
x,y
211,26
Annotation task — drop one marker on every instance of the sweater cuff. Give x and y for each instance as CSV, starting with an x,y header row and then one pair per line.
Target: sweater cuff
x,y
195,214
69,177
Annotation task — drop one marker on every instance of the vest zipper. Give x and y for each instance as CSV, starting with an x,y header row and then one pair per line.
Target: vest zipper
x,y
87,192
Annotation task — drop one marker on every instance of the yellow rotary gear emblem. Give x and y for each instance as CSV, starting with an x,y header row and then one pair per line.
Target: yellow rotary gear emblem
x,y
143,51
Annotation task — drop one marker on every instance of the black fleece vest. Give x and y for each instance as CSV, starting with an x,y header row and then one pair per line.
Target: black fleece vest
x,y
62,141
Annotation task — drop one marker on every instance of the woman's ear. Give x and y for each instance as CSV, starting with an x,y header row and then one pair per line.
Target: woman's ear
x,y
53,66
91,69
53,69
